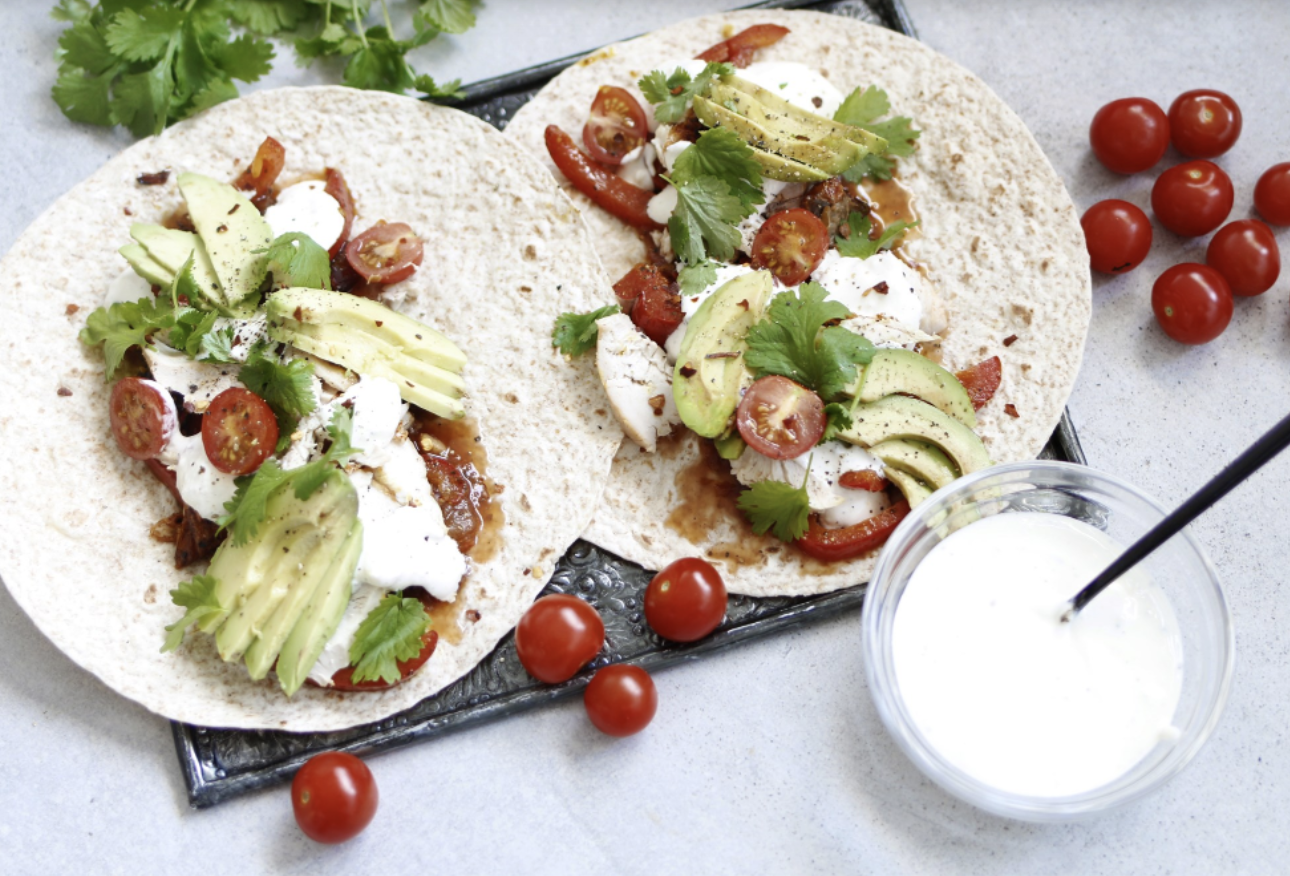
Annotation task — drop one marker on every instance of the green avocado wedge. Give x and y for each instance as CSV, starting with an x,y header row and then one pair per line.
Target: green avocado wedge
x,y
776,114
234,234
898,416
915,490
893,371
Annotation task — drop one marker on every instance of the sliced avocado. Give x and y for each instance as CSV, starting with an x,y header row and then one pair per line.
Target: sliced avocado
x,y
915,490
232,231
920,459
776,114
146,266
786,169
893,371
898,416
828,154
710,369
172,249
321,615
730,445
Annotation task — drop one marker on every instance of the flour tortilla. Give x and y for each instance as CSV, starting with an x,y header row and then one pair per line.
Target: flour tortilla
x,y
1001,240
505,254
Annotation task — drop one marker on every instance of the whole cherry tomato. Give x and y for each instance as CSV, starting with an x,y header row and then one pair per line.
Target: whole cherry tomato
x,y
1192,303
1118,236
239,431
1192,199
334,797
790,244
621,700
685,601
616,125
780,418
1204,123
1245,253
142,416
1129,135
1272,194
557,636
385,253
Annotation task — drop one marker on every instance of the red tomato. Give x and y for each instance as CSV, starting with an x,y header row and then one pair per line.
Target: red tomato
x,y
1118,236
334,797
1193,303
849,542
621,700
865,479
239,431
1245,253
385,253
265,167
557,636
142,415
605,188
779,418
617,125
1192,199
685,601
981,381
1129,135
790,245
1272,194
1204,123
657,311
339,189
739,49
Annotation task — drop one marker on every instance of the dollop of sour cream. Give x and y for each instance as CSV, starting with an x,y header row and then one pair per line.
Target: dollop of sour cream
x,y
307,208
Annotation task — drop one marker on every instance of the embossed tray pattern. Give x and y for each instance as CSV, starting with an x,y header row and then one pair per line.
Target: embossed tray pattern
x,y
220,764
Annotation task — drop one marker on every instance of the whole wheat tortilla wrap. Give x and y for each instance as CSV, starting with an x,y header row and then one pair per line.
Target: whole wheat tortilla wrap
x,y
1000,238
505,252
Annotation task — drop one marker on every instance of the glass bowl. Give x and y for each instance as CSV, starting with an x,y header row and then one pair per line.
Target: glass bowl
x,y
1179,568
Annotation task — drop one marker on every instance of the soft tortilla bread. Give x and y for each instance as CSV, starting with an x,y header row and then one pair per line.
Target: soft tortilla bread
x,y
1000,238
505,254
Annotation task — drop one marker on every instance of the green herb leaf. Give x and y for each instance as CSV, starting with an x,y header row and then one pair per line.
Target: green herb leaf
x,y
703,223
309,478
195,335
858,245
839,420
287,387
379,65
576,333
449,16
720,153
246,58
391,632
862,108
779,506
671,94
269,17
693,279
141,101
143,35
125,325
296,259
198,596
450,90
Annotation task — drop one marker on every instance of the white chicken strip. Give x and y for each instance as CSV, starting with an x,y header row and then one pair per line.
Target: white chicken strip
x,y
637,380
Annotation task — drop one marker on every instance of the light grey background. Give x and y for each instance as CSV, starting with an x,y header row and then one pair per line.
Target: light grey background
x,y
769,758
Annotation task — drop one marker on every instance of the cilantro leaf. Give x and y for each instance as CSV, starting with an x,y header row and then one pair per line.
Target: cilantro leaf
x,y
268,17
576,333
84,98
70,10
194,334
333,39
391,632
287,387
449,16
858,245
703,223
839,420
246,58
672,93
693,279
450,90
143,35
141,101
863,108
296,259
380,64
779,506
720,153
85,46
198,596
124,325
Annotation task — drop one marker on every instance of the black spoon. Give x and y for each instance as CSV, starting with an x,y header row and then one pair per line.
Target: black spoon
x,y
1273,442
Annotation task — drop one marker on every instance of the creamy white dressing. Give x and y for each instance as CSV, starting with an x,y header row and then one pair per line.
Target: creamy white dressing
x,y
127,288
855,282
1006,692
203,487
307,208
796,83
827,462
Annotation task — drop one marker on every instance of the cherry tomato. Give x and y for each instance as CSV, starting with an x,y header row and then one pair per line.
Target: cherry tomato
x,y
1204,123
385,253
1129,135
864,479
657,311
685,601
239,431
1118,236
1245,253
779,418
621,700
981,381
605,188
1193,303
1192,199
339,189
849,542
616,126
790,245
1272,194
334,797
142,416
557,636
739,49
268,162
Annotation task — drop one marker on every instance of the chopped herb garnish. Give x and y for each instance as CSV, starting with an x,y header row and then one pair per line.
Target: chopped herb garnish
x,y
576,333
391,632
778,506
198,596
858,245
671,94
862,108
296,259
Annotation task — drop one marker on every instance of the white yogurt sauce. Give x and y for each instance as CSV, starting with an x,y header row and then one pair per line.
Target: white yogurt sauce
x,y
307,208
1009,694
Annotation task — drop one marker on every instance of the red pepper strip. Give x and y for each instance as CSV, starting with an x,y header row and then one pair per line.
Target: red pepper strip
x,y
981,381
605,188
338,189
739,49
166,476
849,542
865,479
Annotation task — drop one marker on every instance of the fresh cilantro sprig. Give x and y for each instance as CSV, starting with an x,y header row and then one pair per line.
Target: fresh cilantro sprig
x,y
839,420
286,386
717,184
296,259
576,333
779,506
862,108
198,596
693,279
196,335
858,245
124,325
795,340
720,153
391,632
671,94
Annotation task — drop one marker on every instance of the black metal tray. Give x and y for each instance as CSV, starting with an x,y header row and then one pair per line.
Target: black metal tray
x,y
220,764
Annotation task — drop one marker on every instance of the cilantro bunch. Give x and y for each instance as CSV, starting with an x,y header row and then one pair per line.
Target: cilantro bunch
x,y
862,108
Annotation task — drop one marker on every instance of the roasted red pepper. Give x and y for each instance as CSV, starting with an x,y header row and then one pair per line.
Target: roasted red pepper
x,y
612,194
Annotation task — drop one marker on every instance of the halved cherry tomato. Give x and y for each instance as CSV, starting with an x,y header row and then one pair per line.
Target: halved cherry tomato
x,y
779,418
617,125
1245,253
851,541
739,49
338,189
605,188
385,253
621,700
264,169
1204,123
334,797
239,431
557,636
343,679
981,381
1129,135
142,416
790,245
657,312
1118,236
1192,303
1192,199
1272,194
686,600
864,479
